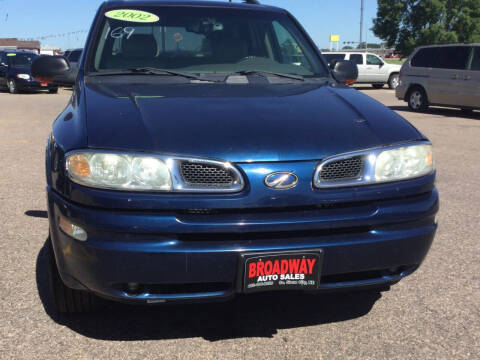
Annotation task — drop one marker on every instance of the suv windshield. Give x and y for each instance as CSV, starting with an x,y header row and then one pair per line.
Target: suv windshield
x,y
205,40
20,59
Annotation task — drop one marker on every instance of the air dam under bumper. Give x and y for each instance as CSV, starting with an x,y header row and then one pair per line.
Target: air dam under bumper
x,y
174,259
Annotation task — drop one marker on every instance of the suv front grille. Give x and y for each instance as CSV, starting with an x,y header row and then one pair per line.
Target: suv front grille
x,y
207,175
342,170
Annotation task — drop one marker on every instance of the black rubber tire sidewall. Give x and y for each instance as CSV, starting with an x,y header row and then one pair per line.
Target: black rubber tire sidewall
x,y
15,89
390,81
424,106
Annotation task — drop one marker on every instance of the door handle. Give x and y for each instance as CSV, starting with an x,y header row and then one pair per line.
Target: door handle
x,y
454,77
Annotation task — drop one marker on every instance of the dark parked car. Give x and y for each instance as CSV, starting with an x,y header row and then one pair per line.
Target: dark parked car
x,y
208,150
15,73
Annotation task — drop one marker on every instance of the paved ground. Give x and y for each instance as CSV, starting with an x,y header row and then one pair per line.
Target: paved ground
x,y
433,314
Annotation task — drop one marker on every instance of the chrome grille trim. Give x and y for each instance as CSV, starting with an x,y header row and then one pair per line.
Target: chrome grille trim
x,y
342,170
206,175
181,184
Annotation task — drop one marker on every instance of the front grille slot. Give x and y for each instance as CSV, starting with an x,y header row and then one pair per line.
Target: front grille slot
x,y
342,170
272,235
178,289
207,175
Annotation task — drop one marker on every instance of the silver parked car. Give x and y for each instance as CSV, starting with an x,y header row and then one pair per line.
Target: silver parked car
x,y
445,75
371,68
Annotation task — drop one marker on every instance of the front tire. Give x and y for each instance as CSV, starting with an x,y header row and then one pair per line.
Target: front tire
x,y
12,86
68,300
394,81
417,99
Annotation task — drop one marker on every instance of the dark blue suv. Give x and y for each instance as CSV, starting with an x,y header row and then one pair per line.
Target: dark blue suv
x,y
15,73
208,150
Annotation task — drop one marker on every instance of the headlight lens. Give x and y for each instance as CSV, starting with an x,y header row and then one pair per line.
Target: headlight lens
x,y
23,76
403,163
378,165
119,171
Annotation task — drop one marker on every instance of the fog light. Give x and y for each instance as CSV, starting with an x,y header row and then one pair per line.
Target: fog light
x,y
72,230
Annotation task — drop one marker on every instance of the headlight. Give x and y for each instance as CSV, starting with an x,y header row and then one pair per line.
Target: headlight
x,y
119,171
138,172
403,163
23,76
379,165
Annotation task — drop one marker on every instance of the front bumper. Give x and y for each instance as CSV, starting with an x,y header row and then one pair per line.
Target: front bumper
x,y
401,90
186,256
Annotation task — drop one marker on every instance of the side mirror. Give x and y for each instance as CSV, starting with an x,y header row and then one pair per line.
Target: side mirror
x,y
345,71
332,64
53,69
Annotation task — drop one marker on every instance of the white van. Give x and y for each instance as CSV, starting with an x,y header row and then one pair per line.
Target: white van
x,y
371,68
445,75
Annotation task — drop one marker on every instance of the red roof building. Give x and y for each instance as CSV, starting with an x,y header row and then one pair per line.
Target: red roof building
x,y
20,44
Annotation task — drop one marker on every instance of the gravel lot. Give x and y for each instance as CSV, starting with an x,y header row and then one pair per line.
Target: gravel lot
x,y
434,314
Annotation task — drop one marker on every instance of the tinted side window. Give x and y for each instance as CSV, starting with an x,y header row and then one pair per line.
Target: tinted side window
x,y
424,58
357,58
373,60
475,65
448,57
452,57
332,57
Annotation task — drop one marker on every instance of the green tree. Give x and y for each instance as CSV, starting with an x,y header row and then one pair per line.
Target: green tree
x,y
406,24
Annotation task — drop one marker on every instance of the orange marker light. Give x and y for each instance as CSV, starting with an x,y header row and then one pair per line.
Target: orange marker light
x,y
78,165
429,158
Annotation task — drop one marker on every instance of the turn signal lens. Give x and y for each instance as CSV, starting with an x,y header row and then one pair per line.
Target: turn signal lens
x,y
78,166
72,230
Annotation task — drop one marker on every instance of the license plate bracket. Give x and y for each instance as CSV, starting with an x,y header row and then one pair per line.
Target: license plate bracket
x,y
280,270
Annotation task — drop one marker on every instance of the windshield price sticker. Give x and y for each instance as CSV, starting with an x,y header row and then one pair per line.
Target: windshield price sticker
x,y
12,54
137,16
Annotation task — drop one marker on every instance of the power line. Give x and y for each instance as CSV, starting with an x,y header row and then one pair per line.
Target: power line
x,y
56,36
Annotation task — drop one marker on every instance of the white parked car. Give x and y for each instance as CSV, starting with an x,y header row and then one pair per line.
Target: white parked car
x,y
371,68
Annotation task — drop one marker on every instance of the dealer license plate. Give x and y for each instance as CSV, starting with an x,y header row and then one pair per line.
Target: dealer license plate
x,y
288,270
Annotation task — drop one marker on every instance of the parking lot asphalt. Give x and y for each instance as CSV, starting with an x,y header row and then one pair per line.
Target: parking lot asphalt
x,y
433,314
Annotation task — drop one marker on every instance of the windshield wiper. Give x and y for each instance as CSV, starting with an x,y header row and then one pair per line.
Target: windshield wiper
x,y
149,71
268,73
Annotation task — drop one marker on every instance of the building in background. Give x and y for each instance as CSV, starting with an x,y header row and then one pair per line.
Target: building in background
x,y
14,43
50,50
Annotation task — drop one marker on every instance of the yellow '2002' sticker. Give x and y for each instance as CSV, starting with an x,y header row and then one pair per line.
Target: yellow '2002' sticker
x,y
12,54
132,16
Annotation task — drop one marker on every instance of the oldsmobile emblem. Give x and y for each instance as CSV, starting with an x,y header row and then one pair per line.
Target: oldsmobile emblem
x,y
281,180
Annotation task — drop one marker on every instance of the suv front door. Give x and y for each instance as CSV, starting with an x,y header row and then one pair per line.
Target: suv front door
x,y
376,71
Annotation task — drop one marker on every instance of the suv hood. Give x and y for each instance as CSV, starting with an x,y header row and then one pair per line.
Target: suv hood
x,y
238,123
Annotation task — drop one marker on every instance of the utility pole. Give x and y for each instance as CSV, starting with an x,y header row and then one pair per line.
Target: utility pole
x,y
361,22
